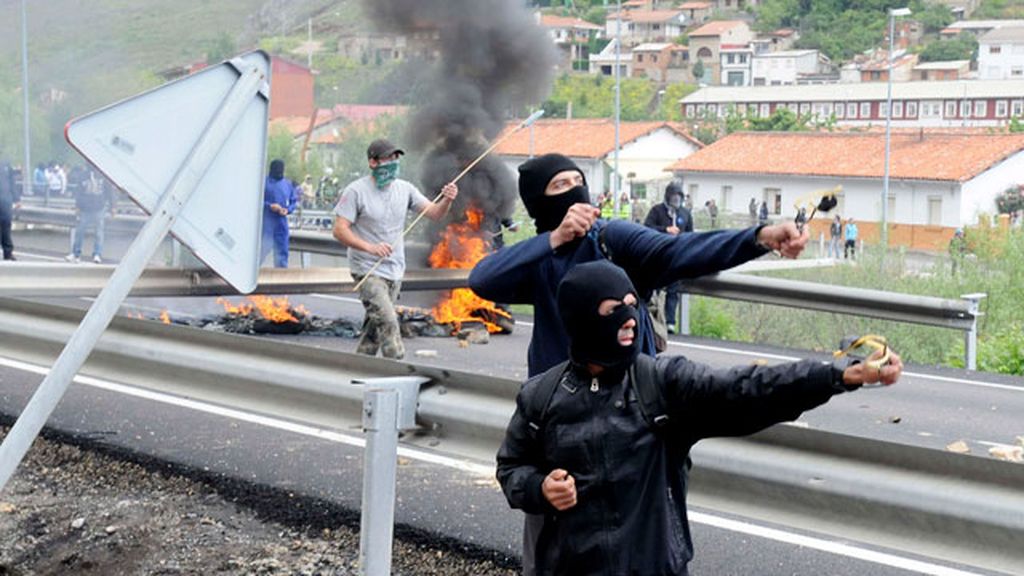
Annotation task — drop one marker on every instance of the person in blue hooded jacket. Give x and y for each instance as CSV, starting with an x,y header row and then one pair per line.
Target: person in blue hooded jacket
x,y
570,232
279,200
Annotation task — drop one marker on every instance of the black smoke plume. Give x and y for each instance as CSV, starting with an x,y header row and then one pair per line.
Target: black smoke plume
x,y
494,61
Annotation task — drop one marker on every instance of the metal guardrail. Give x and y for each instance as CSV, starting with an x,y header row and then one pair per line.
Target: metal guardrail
x,y
925,310
958,507
73,280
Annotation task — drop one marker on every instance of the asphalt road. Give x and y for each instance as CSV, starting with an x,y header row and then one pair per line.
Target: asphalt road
x,y
928,408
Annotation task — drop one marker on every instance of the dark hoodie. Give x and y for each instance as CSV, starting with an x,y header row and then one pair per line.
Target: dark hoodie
x,y
661,216
278,190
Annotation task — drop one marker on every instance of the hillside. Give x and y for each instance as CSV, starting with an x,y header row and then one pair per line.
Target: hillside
x,y
84,54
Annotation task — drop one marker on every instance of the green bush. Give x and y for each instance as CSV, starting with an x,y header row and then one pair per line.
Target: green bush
x,y
709,319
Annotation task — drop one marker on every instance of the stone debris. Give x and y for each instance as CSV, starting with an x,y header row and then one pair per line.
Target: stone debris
x,y
959,447
163,523
426,353
1007,453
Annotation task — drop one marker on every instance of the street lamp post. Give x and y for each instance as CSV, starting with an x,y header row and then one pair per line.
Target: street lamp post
x,y
618,107
893,13
26,170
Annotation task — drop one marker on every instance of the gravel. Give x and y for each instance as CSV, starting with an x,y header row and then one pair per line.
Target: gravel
x,y
80,507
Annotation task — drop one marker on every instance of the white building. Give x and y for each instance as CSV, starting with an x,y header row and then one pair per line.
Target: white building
x,y
778,68
940,180
643,26
735,64
1001,54
962,103
645,149
604,61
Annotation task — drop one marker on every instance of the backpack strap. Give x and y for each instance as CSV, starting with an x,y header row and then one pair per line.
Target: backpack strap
x,y
536,406
650,392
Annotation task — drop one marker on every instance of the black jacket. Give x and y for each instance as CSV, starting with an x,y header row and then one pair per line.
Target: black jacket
x,y
10,194
630,481
660,219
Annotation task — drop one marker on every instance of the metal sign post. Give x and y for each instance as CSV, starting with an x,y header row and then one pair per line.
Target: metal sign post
x,y
250,81
389,405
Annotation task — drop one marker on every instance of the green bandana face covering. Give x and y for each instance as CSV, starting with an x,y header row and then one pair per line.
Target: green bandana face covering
x,y
384,174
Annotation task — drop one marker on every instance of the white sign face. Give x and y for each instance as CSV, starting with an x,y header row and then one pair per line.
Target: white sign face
x,y
142,142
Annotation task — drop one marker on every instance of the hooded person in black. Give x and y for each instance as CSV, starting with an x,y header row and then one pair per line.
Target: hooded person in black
x,y
554,190
671,217
10,195
606,491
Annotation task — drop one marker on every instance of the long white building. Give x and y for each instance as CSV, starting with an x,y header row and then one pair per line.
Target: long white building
x,y
961,103
940,180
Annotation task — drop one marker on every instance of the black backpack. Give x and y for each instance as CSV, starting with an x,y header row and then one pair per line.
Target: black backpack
x,y
643,378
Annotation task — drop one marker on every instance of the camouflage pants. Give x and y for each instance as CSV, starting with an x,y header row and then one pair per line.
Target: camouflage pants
x,y
380,328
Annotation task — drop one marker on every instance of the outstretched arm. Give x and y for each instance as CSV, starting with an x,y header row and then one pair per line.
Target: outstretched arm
x,y
746,399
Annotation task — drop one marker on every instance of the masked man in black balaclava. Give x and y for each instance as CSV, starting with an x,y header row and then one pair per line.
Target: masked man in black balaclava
x,y
554,191
599,465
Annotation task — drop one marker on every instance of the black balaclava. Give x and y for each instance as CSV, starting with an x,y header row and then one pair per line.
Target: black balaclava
x,y
534,175
594,338
276,169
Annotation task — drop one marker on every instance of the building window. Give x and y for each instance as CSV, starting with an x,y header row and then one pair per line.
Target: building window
x,y
766,110
805,108
911,109
890,207
735,79
865,109
730,58
883,109
704,53
752,110
656,27
851,110
1017,108
639,57
694,188
690,110
897,109
726,199
981,108
816,109
1017,71
840,110
654,58
995,49
935,211
793,107
743,58
965,109
773,196
827,108
950,109
1002,106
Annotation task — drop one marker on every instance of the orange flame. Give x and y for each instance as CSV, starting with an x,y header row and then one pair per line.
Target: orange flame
x,y
462,245
165,317
276,310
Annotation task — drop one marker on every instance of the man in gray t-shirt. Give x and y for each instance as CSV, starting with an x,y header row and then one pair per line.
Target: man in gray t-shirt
x,y
370,217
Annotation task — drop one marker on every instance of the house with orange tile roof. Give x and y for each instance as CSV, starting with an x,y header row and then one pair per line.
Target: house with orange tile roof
x,y
643,26
939,180
645,149
706,45
571,36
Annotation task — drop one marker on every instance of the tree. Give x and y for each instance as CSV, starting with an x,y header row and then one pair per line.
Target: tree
x,y
1010,200
964,47
698,70
220,48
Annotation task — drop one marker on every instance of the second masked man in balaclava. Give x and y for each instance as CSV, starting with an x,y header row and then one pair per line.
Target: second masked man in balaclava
x,y
555,193
606,488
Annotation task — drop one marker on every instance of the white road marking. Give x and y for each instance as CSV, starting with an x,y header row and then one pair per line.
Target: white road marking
x,y
829,546
39,256
487,471
348,439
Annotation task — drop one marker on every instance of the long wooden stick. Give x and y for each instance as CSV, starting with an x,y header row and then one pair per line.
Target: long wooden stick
x,y
533,117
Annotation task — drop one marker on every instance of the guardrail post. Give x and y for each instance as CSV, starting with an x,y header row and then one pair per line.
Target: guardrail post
x,y
389,405
306,259
684,314
971,334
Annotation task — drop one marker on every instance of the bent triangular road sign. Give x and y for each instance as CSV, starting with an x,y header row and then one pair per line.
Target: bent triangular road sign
x,y
141,142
